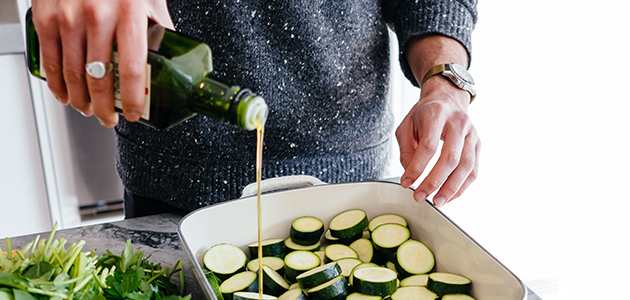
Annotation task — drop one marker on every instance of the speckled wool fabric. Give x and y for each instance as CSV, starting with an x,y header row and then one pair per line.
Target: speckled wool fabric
x,y
322,66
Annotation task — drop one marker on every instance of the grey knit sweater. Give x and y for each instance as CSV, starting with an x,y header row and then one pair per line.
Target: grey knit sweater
x,y
322,66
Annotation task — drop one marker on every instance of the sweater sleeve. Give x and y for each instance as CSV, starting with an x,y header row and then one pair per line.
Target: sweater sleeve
x,y
411,18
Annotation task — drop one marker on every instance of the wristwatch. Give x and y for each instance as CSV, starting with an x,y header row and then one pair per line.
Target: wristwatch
x,y
457,74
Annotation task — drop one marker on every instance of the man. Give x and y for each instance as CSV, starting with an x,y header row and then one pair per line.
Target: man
x,y
323,68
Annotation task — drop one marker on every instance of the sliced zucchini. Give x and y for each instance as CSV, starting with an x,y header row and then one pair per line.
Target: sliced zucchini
x,y
348,223
273,282
386,218
390,265
246,281
319,275
359,266
443,283
252,296
306,231
291,246
387,237
298,262
348,264
294,286
359,296
224,260
293,294
338,251
332,289
414,257
271,247
457,297
214,283
276,263
413,293
364,249
347,241
415,280
376,281
321,255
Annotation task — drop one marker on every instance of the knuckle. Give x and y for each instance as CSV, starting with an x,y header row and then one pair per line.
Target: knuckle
x,y
132,69
100,86
467,161
432,185
74,77
452,158
429,144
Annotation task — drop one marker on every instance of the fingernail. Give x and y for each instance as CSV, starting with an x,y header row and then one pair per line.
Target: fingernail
x,y
407,183
132,116
439,201
420,196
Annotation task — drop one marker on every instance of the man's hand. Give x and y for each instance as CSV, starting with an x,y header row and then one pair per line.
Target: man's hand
x,y
440,114
75,32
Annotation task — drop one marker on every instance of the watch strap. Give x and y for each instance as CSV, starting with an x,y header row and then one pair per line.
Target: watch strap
x,y
432,72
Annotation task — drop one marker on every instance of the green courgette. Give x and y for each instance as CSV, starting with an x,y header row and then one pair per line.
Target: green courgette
x,y
386,218
359,296
415,280
246,281
319,275
376,281
293,294
306,231
270,247
338,251
273,262
443,283
387,237
457,297
413,293
298,262
348,223
291,246
274,283
364,249
224,260
414,257
251,296
336,288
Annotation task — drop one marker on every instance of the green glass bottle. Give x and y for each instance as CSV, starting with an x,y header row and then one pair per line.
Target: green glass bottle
x,y
180,82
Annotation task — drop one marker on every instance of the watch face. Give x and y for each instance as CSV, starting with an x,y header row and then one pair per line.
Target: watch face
x,y
462,73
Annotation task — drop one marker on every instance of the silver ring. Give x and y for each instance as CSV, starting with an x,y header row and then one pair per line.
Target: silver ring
x,y
98,69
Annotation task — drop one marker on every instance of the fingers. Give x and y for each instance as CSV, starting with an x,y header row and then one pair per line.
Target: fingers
x,y
47,28
415,154
100,31
73,40
131,36
461,177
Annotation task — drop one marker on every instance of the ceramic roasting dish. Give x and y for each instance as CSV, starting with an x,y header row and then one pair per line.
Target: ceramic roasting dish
x,y
236,222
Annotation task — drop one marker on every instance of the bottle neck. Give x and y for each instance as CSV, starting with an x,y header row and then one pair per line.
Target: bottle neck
x,y
229,104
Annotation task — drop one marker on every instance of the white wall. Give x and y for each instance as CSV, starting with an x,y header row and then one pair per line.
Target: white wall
x,y
551,202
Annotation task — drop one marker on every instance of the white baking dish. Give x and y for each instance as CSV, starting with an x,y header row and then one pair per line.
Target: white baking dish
x,y
236,222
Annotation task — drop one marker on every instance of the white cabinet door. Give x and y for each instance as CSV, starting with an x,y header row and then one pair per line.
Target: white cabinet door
x,y
23,201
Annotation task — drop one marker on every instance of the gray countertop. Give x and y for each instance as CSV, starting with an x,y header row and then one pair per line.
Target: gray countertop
x,y
155,235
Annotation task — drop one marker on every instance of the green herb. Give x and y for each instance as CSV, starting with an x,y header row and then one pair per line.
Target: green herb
x,y
46,269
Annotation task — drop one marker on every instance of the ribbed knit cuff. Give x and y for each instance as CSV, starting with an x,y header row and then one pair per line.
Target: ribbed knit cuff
x,y
455,19
191,184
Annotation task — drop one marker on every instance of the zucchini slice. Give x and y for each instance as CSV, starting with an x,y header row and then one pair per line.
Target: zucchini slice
x,y
338,251
359,296
294,286
415,280
443,283
306,231
348,264
271,247
376,281
413,293
224,260
246,281
414,257
333,240
252,296
387,237
359,266
291,246
298,262
364,249
386,218
457,297
348,223
336,288
319,275
293,294
274,283
214,283
276,263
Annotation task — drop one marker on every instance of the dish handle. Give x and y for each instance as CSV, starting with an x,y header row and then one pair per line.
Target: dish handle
x,y
281,183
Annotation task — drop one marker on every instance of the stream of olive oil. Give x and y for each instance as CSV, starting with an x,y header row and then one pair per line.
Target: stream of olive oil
x,y
260,132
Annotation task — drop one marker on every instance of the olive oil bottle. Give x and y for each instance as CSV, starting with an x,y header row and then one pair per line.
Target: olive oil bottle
x,y
179,83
